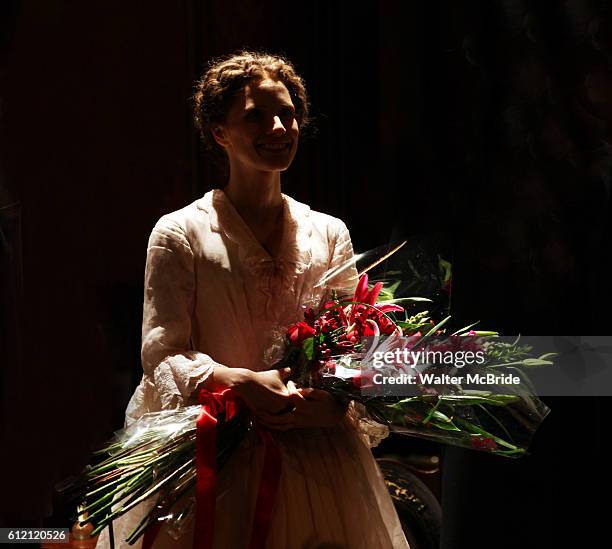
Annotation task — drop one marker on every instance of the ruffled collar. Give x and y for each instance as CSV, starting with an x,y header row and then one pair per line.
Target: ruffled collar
x,y
295,253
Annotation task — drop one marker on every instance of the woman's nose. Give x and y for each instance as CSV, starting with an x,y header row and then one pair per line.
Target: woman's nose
x,y
277,125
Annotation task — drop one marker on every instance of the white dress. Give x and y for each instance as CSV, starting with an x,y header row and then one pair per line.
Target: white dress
x,y
213,295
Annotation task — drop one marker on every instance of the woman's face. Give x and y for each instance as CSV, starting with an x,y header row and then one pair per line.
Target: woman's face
x,y
260,131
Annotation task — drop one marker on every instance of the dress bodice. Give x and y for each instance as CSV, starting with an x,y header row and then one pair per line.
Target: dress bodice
x,y
213,294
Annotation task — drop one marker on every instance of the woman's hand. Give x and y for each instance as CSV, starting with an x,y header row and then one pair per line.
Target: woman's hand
x,y
313,408
265,392
261,391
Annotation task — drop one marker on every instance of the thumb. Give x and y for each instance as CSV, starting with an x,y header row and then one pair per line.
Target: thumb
x,y
292,387
285,372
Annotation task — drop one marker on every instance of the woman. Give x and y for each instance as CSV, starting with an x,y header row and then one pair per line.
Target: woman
x,y
223,277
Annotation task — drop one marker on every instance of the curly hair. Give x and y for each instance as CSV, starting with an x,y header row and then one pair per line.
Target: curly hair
x,y
227,75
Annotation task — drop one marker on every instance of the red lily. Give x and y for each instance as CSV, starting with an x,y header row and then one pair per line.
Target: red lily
x,y
360,313
373,293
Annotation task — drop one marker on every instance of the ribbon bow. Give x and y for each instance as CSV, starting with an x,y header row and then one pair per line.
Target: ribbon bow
x,y
213,405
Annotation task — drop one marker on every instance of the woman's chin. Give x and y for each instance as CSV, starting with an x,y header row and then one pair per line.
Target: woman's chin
x,y
275,165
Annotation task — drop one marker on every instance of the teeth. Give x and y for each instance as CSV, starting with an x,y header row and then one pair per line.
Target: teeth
x,y
275,147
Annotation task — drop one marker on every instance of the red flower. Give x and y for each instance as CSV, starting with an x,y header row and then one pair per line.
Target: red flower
x,y
363,380
361,313
335,310
362,294
361,291
330,366
483,443
309,316
298,333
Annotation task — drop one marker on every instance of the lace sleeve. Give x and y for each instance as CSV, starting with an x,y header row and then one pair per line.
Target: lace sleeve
x,y
167,354
344,280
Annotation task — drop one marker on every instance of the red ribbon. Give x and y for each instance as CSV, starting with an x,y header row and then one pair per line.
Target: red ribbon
x,y
268,487
206,463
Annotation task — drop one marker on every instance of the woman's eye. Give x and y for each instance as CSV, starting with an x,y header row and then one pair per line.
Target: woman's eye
x,y
252,114
287,113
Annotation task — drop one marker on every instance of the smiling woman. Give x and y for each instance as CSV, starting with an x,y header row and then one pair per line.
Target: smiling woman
x,y
260,129
222,275
262,91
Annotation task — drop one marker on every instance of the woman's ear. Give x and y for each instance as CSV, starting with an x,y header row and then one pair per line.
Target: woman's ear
x,y
218,134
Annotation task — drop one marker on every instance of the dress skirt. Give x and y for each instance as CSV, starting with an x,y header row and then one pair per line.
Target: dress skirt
x,y
331,495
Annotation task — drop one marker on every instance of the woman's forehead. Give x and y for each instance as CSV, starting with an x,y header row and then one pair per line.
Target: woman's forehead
x,y
261,92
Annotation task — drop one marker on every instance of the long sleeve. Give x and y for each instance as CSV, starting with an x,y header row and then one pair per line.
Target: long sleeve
x,y
344,279
167,354
342,272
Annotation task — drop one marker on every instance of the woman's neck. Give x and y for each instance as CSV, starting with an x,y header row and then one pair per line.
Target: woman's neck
x,y
256,197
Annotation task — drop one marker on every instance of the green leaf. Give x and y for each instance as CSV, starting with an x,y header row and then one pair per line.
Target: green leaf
x,y
468,400
536,362
475,429
446,268
497,421
308,348
402,403
445,426
388,290
440,416
465,329
432,331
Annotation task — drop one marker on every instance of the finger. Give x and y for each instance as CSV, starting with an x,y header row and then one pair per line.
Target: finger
x,y
290,421
273,419
298,401
314,394
268,417
275,427
290,407
295,396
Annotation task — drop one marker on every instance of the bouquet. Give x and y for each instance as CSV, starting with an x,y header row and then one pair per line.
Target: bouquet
x,y
415,379
401,369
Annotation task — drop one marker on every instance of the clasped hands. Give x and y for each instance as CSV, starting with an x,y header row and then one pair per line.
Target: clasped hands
x,y
281,406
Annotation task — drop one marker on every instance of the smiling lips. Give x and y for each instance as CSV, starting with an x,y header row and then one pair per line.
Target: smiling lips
x,y
274,146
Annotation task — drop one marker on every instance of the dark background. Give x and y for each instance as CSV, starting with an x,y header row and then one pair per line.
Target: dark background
x,y
485,121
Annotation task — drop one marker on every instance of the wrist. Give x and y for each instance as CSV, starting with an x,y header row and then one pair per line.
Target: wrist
x,y
231,378
224,377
